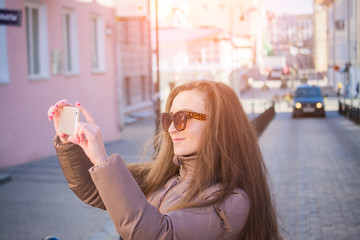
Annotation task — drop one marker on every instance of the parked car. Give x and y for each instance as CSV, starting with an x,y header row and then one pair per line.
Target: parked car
x,y
308,100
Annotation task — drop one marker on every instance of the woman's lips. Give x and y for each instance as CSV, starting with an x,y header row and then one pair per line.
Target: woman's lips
x,y
176,140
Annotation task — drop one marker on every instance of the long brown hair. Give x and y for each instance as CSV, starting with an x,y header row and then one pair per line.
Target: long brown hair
x,y
228,154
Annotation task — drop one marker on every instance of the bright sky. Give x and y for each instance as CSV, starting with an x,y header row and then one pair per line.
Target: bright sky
x,y
289,6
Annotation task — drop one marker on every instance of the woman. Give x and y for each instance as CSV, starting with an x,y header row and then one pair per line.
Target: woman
x,y
207,179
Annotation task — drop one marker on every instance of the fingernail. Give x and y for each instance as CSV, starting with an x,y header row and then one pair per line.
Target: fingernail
x,y
56,105
49,119
62,102
63,135
77,103
52,114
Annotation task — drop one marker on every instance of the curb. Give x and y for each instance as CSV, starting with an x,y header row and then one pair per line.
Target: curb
x,y
5,177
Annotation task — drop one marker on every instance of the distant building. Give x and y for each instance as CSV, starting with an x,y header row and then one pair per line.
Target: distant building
x,y
134,76
295,29
343,45
320,39
217,40
68,49
188,54
292,36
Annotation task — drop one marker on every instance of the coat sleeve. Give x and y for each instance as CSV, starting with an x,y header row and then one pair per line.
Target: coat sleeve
x,y
135,218
75,165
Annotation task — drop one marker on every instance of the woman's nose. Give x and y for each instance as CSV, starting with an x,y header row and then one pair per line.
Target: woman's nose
x,y
172,128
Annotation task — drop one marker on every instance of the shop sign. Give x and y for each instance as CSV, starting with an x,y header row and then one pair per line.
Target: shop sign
x,y
10,17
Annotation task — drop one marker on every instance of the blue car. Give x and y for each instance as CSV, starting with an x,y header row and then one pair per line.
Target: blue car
x,y
308,101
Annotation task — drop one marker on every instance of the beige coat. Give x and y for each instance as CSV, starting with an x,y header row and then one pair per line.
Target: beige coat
x,y
111,186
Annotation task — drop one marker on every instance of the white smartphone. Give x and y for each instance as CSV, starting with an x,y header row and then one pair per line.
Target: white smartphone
x,y
69,116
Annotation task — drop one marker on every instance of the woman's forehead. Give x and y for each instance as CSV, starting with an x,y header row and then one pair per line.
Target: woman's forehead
x,y
193,100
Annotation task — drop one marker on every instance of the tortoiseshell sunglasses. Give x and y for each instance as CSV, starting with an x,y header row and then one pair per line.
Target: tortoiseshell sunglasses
x,y
179,118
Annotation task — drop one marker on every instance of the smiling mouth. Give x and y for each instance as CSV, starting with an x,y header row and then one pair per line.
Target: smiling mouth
x,y
175,140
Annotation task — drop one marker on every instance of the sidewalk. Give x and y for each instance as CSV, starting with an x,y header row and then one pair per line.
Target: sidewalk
x,y
37,201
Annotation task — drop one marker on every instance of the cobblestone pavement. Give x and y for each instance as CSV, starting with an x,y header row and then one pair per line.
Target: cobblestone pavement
x,y
314,165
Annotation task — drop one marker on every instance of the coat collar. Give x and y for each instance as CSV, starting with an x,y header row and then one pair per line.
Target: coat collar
x,y
187,166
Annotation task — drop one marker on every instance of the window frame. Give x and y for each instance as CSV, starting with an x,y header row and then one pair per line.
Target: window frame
x,y
42,44
70,37
4,65
97,39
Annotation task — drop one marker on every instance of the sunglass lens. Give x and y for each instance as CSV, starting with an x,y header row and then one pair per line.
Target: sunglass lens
x,y
166,121
180,121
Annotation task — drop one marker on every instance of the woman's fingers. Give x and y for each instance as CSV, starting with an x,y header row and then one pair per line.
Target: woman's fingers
x,y
63,135
81,135
59,105
82,130
74,137
53,111
50,113
54,114
88,137
86,114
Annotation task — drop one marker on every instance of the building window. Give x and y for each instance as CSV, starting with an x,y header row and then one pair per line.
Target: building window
x,y
37,42
4,68
71,58
97,44
127,91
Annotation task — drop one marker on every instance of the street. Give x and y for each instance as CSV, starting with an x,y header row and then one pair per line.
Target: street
x,y
315,169
313,166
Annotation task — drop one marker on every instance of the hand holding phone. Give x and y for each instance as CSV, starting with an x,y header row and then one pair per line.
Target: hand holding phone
x,y
69,116
87,136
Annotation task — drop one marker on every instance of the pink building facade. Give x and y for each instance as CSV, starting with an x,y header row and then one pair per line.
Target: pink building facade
x,y
63,49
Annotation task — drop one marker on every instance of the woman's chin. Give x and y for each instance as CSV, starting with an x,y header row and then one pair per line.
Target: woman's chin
x,y
181,152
